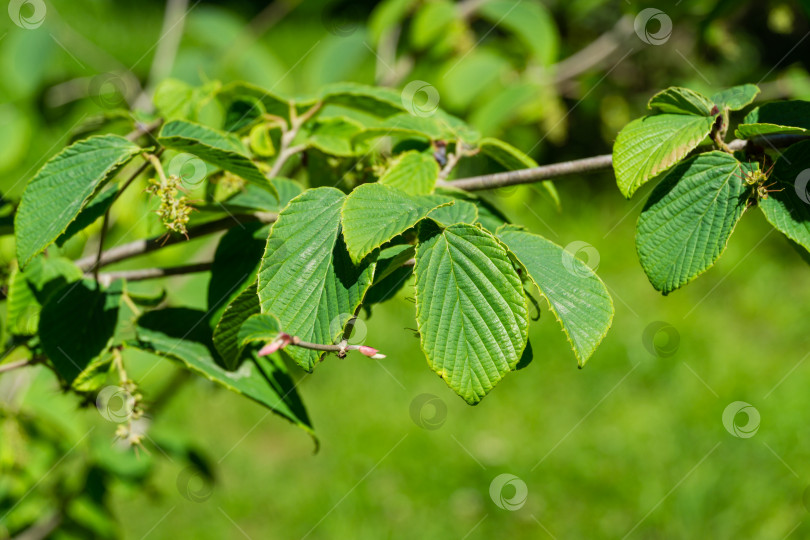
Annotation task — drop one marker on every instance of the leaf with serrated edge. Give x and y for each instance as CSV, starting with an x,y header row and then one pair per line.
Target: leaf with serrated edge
x,y
736,97
649,145
788,207
226,333
413,172
679,100
307,278
216,147
373,214
60,190
688,219
470,307
575,294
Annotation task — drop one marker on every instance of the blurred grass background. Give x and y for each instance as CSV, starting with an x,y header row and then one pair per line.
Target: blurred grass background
x,y
633,443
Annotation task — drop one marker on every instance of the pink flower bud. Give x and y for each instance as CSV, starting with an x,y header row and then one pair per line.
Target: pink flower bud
x,y
371,352
279,343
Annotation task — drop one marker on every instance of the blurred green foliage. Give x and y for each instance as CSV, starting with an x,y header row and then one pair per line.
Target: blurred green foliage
x,y
634,443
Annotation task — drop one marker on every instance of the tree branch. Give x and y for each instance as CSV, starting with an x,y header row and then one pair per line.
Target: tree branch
x,y
141,247
286,151
153,273
16,364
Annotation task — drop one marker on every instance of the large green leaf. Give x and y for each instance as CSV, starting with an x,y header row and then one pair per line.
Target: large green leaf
x,y
688,219
679,100
412,172
182,334
649,145
575,294
789,209
218,148
470,307
226,333
370,99
736,97
787,117
77,325
96,208
375,213
307,278
60,190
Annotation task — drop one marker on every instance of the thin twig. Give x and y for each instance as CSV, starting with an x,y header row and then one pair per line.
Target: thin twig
x,y
143,246
153,273
143,129
17,364
286,150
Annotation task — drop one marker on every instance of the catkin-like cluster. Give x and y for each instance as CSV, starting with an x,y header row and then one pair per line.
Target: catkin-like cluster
x,y
174,208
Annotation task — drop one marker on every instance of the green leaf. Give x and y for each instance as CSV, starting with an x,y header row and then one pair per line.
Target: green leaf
x,y
29,289
226,334
218,148
390,275
431,21
307,278
237,92
490,217
577,297
458,212
788,207
77,325
374,100
530,22
254,197
413,172
677,100
333,136
375,213
236,264
60,190
181,334
650,145
513,159
787,117
688,219
261,327
736,97
92,212
470,308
